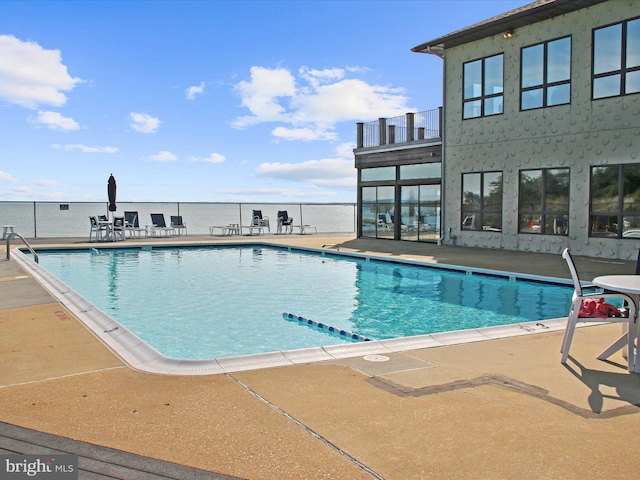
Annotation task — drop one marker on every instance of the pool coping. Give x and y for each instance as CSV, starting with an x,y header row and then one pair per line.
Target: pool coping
x,y
140,356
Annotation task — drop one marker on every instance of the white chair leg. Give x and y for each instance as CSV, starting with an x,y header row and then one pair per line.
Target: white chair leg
x,y
568,336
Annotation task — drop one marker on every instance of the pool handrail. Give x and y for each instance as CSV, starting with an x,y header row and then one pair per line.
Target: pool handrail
x,y
14,234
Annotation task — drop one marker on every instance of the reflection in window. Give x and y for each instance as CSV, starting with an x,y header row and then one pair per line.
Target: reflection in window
x,y
482,201
377,174
420,170
615,201
616,59
483,87
543,202
420,212
546,74
377,211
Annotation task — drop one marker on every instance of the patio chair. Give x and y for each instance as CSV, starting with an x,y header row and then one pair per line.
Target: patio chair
x,y
132,225
469,222
383,222
98,230
284,220
257,220
591,292
160,226
178,224
118,229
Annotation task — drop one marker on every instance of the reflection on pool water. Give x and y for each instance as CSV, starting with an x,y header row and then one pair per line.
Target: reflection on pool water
x,y
211,302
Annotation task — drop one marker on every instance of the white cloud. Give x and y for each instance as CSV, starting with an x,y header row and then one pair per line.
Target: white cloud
x,y
212,158
163,156
312,104
85,148
305,134
260,95
345,150
18,192
43,182
250,194
193,91
5,177
141,122
31,75
330,172
55,121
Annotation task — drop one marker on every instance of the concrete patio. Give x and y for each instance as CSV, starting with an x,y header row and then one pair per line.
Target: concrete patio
x,y
502,408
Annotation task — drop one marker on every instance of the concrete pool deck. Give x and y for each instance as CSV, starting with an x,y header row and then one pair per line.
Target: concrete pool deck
x,y
503,408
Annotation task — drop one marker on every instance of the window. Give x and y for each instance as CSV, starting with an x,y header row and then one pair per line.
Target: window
x,y
420,212
543,206
482,201
420,170
377,174
616,59
378,211
483,87
546,74
615,201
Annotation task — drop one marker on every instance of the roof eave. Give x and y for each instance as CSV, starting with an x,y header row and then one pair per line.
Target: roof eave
x,y
527,15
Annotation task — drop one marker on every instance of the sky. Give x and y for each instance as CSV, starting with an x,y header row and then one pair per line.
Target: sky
x,y
209,100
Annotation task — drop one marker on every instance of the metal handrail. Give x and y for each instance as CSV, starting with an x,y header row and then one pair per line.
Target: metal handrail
x,y
13,234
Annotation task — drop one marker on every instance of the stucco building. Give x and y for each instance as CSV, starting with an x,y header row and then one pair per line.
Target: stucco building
x,y
537,142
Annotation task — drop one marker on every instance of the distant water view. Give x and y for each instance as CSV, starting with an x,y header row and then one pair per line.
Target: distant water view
x,y
71,219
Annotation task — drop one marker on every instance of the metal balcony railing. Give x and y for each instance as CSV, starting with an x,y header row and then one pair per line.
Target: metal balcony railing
x,y
402,129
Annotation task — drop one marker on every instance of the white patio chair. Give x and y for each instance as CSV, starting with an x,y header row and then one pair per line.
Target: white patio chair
x,y
178,224
132,225
118,229
160,226
98,230
258,220
590,292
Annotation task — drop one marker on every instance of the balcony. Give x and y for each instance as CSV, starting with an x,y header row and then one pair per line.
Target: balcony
x,y
409,128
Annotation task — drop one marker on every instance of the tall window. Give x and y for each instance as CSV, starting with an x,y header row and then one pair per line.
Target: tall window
x,y
543,206
615,201
546,74
616,59
378,211
420,212
482,201
483,87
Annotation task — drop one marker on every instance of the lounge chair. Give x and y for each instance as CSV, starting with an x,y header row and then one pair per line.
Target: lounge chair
x,y
257,220
284,220
469,222
383,223
591,293
160,226
178,224
97,229
131,224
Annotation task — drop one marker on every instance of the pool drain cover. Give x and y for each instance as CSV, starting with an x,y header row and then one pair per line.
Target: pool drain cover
x,y
376,358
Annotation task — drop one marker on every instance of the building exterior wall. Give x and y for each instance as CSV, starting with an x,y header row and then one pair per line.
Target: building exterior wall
x,y
579,135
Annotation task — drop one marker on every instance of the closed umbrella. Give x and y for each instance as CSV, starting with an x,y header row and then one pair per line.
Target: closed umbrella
x,y
111,192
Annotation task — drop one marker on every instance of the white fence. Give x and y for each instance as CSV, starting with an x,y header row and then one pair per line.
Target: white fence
x,y
55,219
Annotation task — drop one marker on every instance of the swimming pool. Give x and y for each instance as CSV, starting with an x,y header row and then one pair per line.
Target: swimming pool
x,y
196,303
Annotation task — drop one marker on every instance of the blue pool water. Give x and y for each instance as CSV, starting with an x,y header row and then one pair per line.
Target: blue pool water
x,y
211,302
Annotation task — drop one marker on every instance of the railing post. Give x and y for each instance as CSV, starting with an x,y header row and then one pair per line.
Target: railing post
x,y
420,133
410,127
382,126
359,135
440,122
35,222
392,134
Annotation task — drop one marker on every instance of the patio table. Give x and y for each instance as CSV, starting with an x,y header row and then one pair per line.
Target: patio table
x,y
629,284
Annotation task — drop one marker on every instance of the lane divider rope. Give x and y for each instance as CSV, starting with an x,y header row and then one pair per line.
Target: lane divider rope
x,y
322,326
